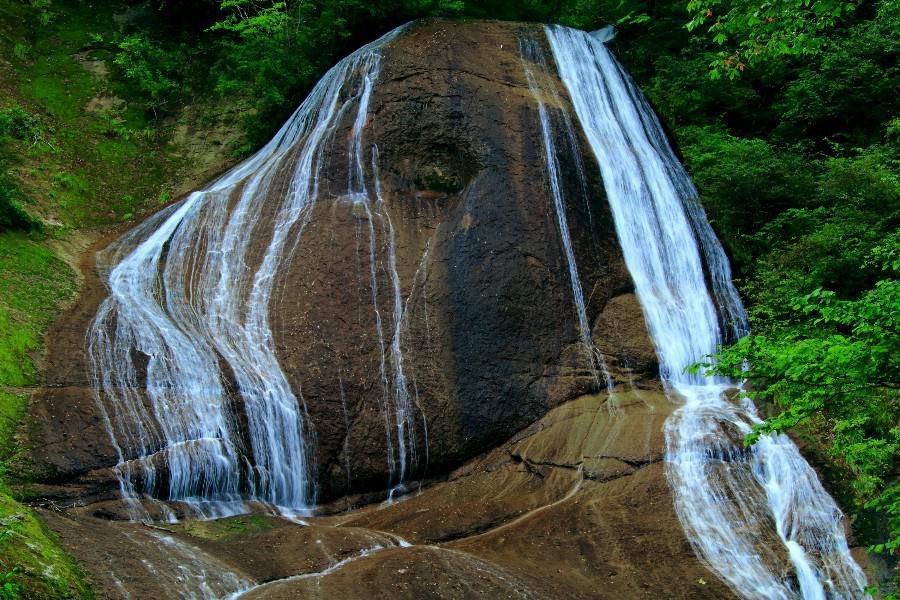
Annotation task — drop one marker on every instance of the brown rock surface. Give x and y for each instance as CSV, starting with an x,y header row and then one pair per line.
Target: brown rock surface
x,y
622,336
531,486
489,334
575,506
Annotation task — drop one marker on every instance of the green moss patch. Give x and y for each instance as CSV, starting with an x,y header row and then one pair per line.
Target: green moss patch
x,y
227,529
34,284
32,564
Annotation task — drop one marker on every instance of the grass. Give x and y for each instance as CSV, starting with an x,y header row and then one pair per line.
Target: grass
x,y
58,83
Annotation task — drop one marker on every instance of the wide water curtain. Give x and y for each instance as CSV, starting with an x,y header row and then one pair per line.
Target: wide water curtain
x,y
182,349
758,517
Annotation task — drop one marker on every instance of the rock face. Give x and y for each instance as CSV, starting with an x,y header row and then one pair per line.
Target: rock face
x,y
418,286
576,506
489,336
488,333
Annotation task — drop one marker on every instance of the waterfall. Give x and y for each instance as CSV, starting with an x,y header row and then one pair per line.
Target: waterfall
x,y
182,349
396,405
533,58
759,517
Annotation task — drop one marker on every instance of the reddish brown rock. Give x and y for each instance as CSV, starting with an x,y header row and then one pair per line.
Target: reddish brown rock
x,y
574,506
489,336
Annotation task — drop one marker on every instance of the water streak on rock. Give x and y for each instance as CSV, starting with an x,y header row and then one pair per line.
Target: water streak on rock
x,y
182,350
533,59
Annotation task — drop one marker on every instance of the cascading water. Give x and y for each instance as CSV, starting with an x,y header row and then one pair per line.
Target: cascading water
x,y
188,311
190,573
753,515
396,407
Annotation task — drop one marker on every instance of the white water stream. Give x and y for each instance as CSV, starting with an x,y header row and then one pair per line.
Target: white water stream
x,y
188,311
173,569
759,517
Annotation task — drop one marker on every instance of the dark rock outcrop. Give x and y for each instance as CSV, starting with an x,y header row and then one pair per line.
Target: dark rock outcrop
x,y
489,334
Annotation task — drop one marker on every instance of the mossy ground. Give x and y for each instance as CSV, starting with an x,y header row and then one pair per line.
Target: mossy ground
x,y
226,529
34,284
31,559
98,161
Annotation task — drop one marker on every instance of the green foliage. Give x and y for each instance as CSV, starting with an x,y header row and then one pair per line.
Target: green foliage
x,y
42,11
12,215
12,411
249,20
96,143
852,83
9,588
822,213
59,83
271,52
749,31
157,73
16,124
824,299
729,170
838,370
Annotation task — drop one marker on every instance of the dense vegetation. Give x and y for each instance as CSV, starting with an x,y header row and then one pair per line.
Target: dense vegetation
x,y
797,164
795,152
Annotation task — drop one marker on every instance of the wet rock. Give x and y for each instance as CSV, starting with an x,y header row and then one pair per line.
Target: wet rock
x,y
622,335
59,417
495,529
489,336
